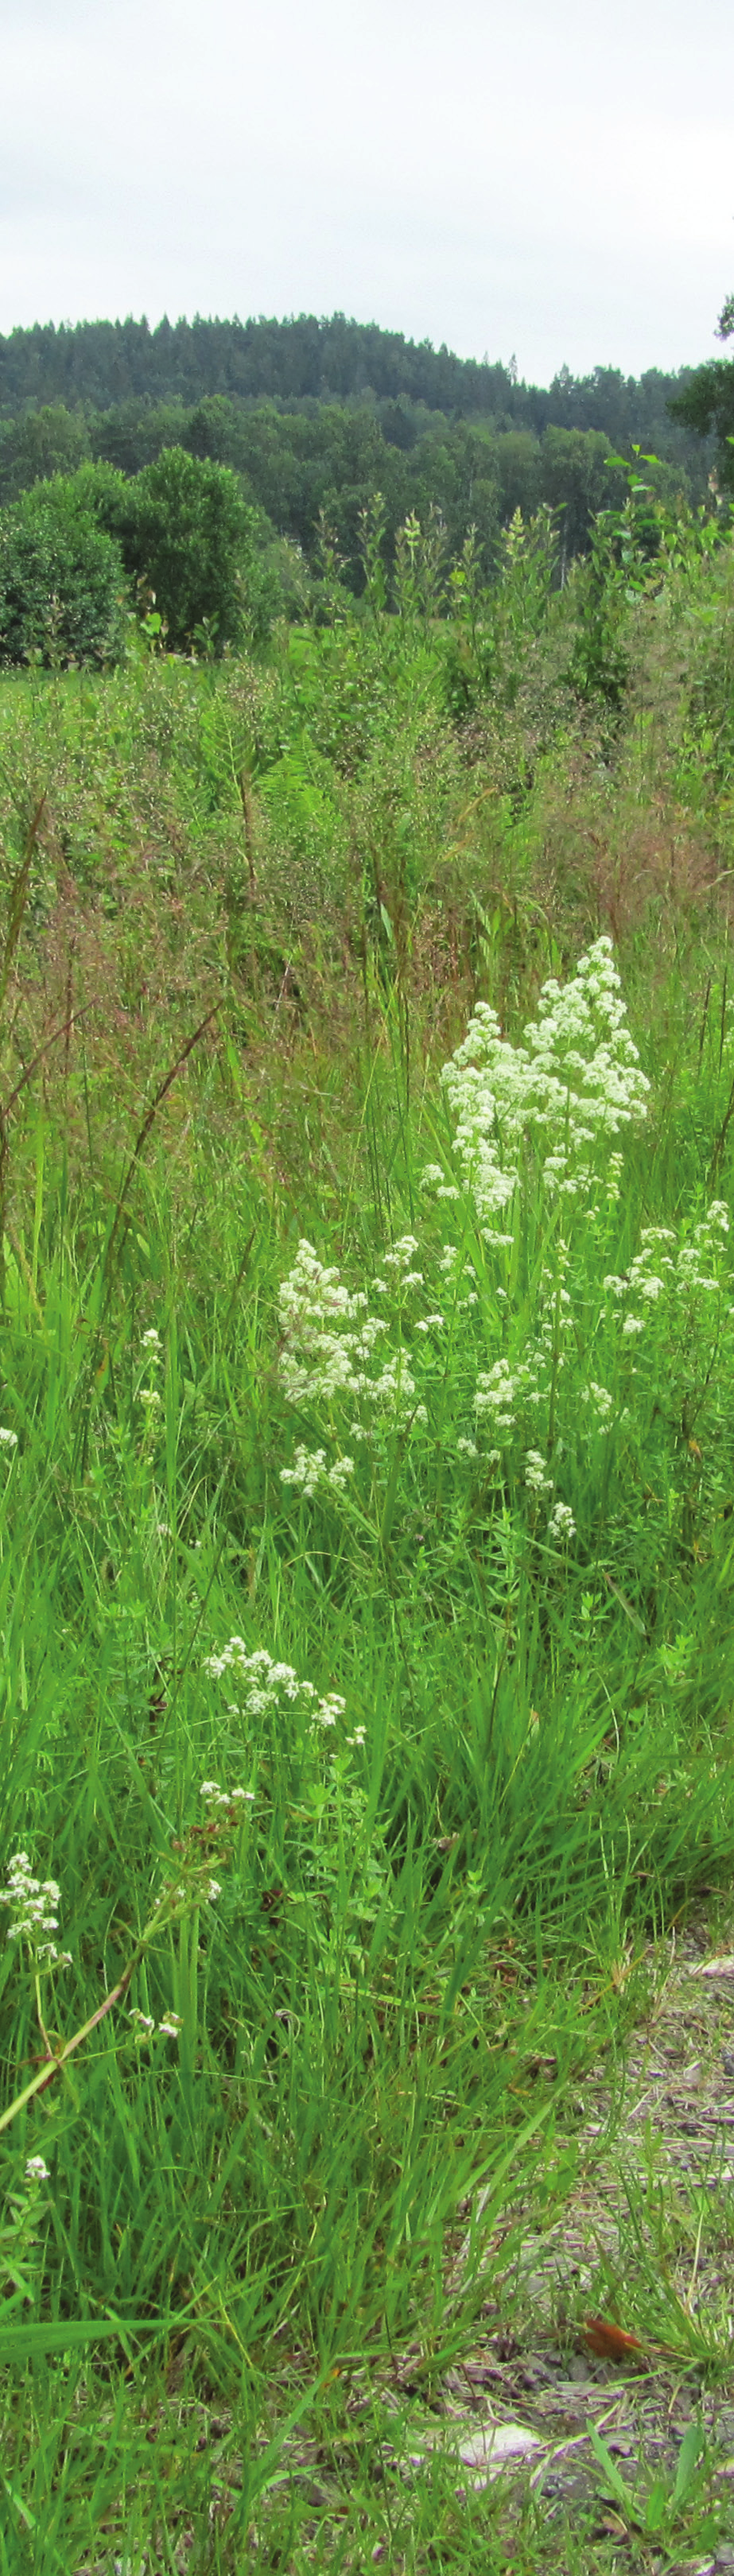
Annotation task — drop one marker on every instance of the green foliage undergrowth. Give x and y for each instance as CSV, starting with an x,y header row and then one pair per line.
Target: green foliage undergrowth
x,y
366,1493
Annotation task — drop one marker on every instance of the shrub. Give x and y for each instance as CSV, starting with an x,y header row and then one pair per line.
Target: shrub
x,y
186,529
62,582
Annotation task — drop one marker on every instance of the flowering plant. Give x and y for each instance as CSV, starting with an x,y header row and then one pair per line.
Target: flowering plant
x,y
32,1907
540,1359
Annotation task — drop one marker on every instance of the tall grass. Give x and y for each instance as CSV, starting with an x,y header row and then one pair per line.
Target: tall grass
x,y
436,1615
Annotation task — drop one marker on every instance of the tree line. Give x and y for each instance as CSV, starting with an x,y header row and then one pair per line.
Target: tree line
x,y
316,415
100,365
223,510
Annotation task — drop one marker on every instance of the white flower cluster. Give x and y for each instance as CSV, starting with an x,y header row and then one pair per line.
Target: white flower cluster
x,y
581,1031
329,1339
310,1470
223,1799
450,1258
484,1097
535,1473
327,1330
394,1390
561,1525
33,1904
8,1439
575,1080
152,1352
433,1178
600,1402
264,1683
398,1262
688,1270
502,1391
696,1263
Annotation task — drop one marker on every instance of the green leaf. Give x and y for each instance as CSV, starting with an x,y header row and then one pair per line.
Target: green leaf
x,y
611,2472
33,2342
688,2456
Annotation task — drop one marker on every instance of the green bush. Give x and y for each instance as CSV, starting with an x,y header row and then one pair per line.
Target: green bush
x,y
181,530
186,530
62,581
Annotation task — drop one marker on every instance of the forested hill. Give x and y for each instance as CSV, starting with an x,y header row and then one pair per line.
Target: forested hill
x,y
99,365
314,418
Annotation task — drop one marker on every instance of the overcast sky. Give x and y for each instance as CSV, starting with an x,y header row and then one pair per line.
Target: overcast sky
x,y
547,178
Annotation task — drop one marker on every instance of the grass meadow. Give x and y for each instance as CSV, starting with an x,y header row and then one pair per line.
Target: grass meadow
x,y
366,1561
